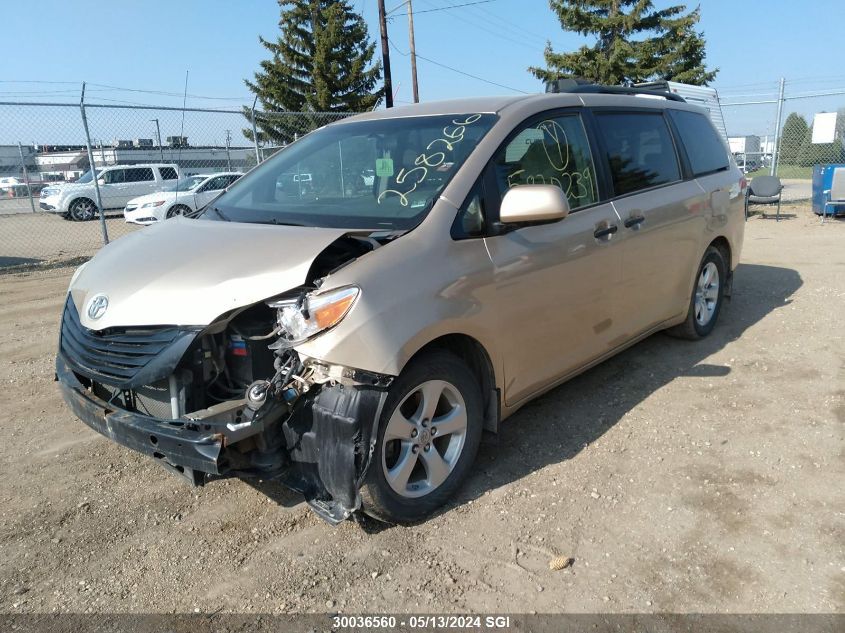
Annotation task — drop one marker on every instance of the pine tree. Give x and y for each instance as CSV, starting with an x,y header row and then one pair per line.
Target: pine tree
x,y
635,43
321,62
677,54
791,138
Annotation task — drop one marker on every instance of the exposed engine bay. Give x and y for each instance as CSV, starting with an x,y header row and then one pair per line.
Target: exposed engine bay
x,y
241,400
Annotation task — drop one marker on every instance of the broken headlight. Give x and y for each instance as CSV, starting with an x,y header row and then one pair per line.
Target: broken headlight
x,y
304,318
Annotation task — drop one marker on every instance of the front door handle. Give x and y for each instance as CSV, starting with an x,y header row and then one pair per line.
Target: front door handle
x,y
605,231
633,221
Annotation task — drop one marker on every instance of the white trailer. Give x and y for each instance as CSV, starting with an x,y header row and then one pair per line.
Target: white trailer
x,y
702,96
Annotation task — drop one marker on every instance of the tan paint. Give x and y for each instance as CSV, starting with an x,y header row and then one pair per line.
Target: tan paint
x,y
545,302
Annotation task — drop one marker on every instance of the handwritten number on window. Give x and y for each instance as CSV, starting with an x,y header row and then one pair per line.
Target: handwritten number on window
x,y
452,135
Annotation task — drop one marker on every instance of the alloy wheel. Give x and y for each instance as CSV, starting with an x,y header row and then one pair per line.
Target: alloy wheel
x,y
706,293
83,210
424,438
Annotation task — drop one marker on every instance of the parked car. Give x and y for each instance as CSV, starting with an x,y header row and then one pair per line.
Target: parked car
x,y
118,185
7,184
183,197
355,346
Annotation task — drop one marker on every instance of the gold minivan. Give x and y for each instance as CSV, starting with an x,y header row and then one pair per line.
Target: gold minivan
x,y
352,334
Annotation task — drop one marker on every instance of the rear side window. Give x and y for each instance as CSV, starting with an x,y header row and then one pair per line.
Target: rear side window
x,y
139,174
640,150
168,173
705,150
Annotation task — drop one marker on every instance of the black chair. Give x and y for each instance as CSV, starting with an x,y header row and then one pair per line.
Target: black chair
x,y
764,190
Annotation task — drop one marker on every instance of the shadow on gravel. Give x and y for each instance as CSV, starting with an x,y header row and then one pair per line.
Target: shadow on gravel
x,y
18,261
556,426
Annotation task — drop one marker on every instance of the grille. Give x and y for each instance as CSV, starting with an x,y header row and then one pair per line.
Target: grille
x,y
153,400
121,357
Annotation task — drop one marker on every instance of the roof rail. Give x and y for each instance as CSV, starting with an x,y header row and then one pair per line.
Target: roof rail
x,y
583,86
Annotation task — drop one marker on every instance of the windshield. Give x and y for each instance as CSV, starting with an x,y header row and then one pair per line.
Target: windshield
x,y
185,184
382,174
86,177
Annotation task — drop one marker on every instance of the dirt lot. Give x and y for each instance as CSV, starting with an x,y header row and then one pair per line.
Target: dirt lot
x,y
680,476
30,238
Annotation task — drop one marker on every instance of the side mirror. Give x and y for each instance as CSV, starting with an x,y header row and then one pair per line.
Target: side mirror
x,y
101,181
533,203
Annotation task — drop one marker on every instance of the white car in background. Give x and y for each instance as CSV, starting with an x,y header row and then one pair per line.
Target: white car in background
x,y
117,183
7,183
180,198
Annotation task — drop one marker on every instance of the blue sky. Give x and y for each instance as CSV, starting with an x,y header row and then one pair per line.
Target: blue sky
x,y
149,45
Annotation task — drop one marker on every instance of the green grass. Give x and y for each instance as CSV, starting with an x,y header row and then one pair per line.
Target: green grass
x,y
785,171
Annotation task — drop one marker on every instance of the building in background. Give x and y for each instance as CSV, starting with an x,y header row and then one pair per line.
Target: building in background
x,y
11,165
66,163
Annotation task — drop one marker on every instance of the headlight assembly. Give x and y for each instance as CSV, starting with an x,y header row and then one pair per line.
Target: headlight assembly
x,y
301,320
157,203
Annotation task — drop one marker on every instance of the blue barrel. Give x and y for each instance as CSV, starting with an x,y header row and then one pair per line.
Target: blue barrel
x,y
822,181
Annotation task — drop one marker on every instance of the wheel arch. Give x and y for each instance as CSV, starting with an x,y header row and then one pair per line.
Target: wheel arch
x,y
474,354
722,244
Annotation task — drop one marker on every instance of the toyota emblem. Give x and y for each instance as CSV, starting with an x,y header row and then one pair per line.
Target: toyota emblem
x,y
97,306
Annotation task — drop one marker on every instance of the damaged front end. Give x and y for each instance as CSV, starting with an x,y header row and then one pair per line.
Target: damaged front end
x,y
234,398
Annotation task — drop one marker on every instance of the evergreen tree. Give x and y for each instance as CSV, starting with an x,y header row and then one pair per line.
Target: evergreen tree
x,y
791,138
321,62
635,43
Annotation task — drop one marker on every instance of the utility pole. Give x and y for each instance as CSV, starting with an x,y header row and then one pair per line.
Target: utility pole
x,y
158,136
228,157
776,149
26,177
385,55
413,52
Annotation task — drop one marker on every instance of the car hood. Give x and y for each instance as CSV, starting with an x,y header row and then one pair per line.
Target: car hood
x,y
189,272
167,196
69,187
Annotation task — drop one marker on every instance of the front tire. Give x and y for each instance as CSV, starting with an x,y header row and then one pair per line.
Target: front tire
x,y
82,210
178,209
708,293
428,437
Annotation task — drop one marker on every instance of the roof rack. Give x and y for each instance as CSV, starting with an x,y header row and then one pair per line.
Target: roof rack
x,y
584,86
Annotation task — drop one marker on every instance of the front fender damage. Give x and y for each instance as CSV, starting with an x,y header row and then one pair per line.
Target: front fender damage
x,y
330,440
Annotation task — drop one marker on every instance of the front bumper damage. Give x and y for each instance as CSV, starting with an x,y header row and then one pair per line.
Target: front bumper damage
x,y
321,446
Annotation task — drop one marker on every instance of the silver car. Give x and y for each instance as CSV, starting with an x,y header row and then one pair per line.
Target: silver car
x,y
353,333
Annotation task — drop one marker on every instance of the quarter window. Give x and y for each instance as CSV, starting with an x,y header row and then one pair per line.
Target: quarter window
x,y
706,151
139,174
640,150
552,151
168,173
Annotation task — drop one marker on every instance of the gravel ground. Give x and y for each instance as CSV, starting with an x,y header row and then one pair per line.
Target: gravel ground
x,y
32,238
684,477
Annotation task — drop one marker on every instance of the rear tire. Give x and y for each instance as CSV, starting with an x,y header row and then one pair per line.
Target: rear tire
x,y
708,292
428,438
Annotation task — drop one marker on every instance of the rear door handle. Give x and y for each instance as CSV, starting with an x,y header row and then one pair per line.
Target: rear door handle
x,y
634,221
605,231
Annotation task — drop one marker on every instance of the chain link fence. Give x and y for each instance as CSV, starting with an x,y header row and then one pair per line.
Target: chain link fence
x,y
785,132
49,209
44,148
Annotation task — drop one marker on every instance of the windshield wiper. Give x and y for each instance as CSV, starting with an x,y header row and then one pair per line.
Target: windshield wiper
x,y
278,222
220,214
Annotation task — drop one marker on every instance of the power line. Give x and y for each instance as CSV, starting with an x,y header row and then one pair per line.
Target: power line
x,y
454,6
460,72
498,33
168,94
505,25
